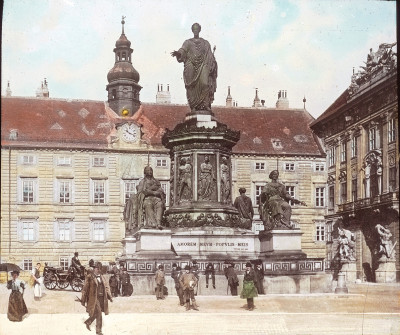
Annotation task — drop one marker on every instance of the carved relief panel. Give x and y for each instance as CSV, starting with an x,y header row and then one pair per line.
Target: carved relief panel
x,y
206,178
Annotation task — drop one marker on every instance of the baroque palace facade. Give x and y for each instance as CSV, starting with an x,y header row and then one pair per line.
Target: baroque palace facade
x,y
359,131
68,166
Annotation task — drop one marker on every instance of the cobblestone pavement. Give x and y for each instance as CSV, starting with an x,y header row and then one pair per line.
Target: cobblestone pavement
x,y
367,309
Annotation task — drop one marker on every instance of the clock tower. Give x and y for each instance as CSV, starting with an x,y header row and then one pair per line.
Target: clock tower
x,y
123,88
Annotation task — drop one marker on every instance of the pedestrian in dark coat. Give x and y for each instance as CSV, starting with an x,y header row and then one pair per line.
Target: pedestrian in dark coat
x,y
210,272
259,278
95,295
249,291
195,270
175,274
16,304
233,281
125,282
113,285
160,281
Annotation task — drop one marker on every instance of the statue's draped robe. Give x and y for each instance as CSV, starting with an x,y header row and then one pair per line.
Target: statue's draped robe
x,y
276,197
199,74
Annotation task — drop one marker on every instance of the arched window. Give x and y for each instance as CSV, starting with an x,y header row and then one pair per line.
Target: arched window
x,y
114,94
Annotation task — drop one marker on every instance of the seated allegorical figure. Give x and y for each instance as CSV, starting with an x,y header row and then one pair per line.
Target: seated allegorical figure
x,y
146,208
274,209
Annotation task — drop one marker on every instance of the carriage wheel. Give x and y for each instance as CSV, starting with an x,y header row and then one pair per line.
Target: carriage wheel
x,y
50,281
62,283
77,284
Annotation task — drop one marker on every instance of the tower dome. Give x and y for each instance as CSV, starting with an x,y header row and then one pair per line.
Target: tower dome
x,y
123,88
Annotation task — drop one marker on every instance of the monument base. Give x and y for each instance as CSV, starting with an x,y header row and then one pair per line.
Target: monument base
x,y
349,268
284,243
215,242
386,272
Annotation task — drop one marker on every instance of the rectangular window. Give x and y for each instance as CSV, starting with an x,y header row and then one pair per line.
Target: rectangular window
x,y
64,262
391,131
372,139
27,264
320,196
99,230
99,161
290,190
354,190
331,203
64,191
259,189
392,179
28,190
99,191
320,232
64,160
343,152
353,147
129,188
28,230
64,230
28,159
260,166
343,192
289,166
161,162
318,167
332,156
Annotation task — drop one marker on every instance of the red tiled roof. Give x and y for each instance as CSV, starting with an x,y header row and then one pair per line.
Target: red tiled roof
x,y
80,123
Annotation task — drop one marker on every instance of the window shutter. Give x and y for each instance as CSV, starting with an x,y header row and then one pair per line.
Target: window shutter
x,y
36,230
56,230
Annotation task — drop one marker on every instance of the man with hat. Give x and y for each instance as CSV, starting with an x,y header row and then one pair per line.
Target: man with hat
x,y
244,205
125,282
259,277
175,274
76,264
195,270
95,295
210,272
16,304
233,281
160,281
188,281
249,289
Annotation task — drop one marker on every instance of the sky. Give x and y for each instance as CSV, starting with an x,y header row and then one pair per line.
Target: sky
x,y
308,48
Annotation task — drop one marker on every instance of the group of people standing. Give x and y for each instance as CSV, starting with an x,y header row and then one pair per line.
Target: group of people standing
x,y
120,281
186,284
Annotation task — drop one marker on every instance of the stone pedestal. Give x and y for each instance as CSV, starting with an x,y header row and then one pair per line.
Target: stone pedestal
x,y
281,243
129,244
349,268
214,241
386,272
341,284
153,241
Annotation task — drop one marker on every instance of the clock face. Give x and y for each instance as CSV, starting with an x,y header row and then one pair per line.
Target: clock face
x,y
129,133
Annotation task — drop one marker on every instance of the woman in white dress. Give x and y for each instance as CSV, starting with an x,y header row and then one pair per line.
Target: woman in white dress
x,y
36,280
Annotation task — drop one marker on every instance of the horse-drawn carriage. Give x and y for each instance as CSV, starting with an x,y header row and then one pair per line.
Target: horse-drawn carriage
x,y
57,277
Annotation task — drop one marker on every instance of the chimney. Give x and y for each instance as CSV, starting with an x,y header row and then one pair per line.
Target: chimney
x,y
158,87
163,97
45,89
256,101
282,102
229,98
262,102
8,90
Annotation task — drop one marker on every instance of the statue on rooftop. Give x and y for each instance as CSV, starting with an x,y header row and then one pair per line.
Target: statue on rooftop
x,y
199,72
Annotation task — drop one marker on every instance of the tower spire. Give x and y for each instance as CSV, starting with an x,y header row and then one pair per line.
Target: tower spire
x,y
123,22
